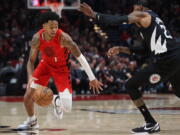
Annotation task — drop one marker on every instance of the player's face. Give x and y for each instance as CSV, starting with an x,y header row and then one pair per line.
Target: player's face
x,y
137,8
51,27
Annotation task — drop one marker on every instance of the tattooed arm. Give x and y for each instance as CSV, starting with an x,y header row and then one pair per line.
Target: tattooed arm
x,y
67,42
34,43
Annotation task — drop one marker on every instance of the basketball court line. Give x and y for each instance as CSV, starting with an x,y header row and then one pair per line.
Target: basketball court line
x,y
162,111
8,129
88,98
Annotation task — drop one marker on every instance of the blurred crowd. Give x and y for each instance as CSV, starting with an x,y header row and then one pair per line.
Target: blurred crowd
x,y
18,26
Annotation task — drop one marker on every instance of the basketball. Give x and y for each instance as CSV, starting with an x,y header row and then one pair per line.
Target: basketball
x,y
43,97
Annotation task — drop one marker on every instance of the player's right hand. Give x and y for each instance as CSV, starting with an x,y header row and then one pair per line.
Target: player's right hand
x,y
113,51
95,86
87,10
30,80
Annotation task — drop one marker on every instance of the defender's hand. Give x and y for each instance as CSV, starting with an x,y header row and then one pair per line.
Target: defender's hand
x,y
113,51
87,10
96,86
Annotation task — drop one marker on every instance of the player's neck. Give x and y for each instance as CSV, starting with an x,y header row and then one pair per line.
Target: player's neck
x,y
46,36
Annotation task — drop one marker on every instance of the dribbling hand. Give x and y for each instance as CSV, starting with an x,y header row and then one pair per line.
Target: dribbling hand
x,y
95,86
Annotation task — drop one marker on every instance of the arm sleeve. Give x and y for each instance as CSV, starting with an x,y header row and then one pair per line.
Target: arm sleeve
x,y
111,19
82,60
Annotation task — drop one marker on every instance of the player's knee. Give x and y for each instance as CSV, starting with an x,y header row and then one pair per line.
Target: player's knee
x,y
29,94
132,90
130,86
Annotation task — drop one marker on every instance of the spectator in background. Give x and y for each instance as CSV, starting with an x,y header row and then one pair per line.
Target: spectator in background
x,y
16,29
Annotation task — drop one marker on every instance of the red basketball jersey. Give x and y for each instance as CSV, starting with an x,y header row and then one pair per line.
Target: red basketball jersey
x,y
52,52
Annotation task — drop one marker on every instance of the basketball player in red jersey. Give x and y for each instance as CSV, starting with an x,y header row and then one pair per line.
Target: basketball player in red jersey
x,y
54,46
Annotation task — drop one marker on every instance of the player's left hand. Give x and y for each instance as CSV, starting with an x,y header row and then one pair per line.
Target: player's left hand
x,y
113,51
87,10
96,86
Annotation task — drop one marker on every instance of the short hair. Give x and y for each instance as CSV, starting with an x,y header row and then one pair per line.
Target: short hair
x,y
144,3
47,16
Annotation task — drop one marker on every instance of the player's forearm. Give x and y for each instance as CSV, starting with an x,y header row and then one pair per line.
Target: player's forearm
x,y
138,50
67,42
111,19
30,69
75,51
82,60
125,50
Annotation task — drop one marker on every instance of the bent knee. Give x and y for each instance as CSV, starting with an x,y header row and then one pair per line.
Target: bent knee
x,y
129,85
132,90
29,94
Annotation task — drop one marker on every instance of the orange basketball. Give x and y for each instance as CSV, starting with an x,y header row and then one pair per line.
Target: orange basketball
x,y
43,97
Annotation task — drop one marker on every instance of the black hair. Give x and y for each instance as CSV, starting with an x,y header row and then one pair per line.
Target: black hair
x,y
47,16
144,3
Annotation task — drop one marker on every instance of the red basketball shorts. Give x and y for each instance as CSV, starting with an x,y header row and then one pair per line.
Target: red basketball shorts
x,y
60,75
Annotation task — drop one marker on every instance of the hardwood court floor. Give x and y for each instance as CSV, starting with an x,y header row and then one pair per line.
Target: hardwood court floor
x,y
93,115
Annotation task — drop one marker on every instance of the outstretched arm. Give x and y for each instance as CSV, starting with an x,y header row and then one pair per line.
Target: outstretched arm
x,y
102,18
118,49
135,17
67,42
127,50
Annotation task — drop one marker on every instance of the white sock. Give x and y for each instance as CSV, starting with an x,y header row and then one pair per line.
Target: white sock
x,y
32,118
